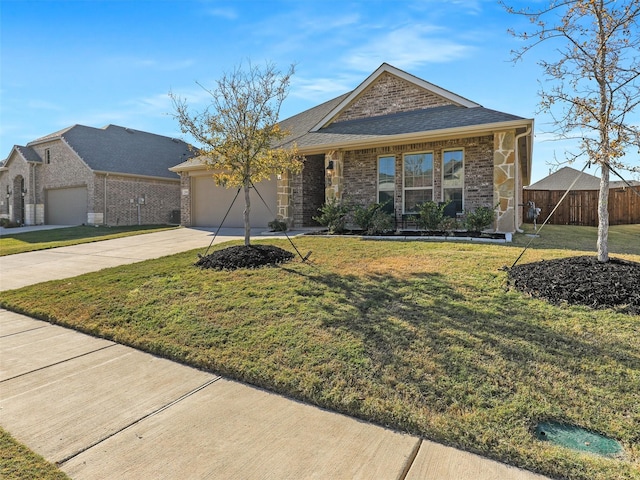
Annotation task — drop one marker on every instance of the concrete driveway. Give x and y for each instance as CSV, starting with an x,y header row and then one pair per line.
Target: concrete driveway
x,y
103,410
33,267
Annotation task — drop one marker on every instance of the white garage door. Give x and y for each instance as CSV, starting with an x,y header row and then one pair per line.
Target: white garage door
x,y
66,206
210,203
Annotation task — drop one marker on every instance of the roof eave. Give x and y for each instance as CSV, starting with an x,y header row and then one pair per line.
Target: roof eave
x,y
135,175
431,135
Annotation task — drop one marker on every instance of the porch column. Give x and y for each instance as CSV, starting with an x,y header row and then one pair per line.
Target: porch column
x,y
334,180
504,180
285,197
185,199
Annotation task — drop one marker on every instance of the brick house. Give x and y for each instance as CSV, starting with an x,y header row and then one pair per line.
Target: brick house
x,y
96,176
395,137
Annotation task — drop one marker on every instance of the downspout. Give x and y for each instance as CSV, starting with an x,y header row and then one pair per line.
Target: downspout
x,y
104,219
33,192
516,189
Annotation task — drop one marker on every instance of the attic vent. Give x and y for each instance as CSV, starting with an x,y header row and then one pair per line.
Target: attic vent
x,y
175,140
127,129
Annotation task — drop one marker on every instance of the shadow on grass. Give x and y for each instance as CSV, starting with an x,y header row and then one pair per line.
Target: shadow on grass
x,y
456,349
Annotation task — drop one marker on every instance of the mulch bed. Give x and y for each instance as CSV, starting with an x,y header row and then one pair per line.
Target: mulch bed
x,y
582,281
251,256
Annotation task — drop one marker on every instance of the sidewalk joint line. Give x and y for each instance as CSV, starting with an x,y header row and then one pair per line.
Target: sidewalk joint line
x,y
59,463
23,331
58,363
410,461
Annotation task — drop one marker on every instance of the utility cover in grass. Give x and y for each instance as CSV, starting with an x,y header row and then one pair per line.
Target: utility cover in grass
x,y
577,438
245,256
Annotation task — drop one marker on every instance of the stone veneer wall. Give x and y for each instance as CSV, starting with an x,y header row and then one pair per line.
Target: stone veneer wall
x,y
391,94
360,171
161,198
185,199
504,180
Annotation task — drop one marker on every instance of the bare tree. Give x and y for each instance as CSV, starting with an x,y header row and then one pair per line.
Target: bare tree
x,y
595,81
238,132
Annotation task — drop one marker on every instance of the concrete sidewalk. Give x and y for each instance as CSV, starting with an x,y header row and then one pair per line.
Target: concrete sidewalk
x,y
103,410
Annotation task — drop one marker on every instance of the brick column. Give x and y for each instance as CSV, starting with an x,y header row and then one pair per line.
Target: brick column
x,y
504,179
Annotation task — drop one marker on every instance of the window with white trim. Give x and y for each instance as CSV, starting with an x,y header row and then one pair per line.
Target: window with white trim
x,y
453,178
417,175
387,182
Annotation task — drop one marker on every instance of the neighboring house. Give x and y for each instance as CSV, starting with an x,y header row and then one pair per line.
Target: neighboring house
x,y
395,137
580,205
97,176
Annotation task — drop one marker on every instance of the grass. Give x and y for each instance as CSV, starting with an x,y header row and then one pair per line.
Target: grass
x,y
62,237
623,238
424,337
17,462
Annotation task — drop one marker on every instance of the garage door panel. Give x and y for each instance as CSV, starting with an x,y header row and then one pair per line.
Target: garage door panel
x,y
66,206
211,202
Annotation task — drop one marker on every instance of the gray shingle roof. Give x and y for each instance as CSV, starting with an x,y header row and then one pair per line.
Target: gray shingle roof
x,y
28,153
300,124
425,120
124,150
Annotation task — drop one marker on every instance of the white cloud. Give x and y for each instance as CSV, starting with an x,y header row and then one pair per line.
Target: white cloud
x,y
223,12
407,47
323,88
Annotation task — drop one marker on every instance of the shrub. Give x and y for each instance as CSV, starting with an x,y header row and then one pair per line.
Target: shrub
x,y
6,223
333,215
278,225
431,215
479,219
448,224
373,220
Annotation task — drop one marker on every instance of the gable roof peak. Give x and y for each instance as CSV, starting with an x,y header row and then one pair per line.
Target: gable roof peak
x,y
383,69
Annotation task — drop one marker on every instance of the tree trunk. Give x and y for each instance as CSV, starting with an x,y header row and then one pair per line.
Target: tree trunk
x,y
247,209
603,216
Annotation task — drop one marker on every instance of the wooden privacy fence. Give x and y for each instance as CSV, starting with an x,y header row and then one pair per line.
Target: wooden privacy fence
x,y
581,206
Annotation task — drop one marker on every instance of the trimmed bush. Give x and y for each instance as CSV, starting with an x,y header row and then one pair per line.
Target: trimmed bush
x,y
479,219
373,220
333,215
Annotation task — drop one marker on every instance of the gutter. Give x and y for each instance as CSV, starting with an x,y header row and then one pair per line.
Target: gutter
x,y
133,175
424,136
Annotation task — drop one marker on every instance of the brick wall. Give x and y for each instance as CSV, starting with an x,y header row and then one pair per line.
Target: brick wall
x,y
308,191
159,199
391,94
360,171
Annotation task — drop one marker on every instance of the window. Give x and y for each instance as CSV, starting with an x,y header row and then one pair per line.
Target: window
x,y
47,156
387,182
418,180
453,177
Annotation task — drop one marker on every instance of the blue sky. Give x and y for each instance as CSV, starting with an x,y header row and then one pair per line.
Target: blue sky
x,y
95,62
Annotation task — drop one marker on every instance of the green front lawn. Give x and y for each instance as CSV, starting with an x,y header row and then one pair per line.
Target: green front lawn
x,y
11,243
17,462
424,337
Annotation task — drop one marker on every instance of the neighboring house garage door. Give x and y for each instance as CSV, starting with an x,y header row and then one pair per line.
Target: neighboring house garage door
x,y
211,202
66,206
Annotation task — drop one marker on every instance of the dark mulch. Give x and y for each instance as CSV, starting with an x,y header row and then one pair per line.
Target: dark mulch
x,y
252,256
582,281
